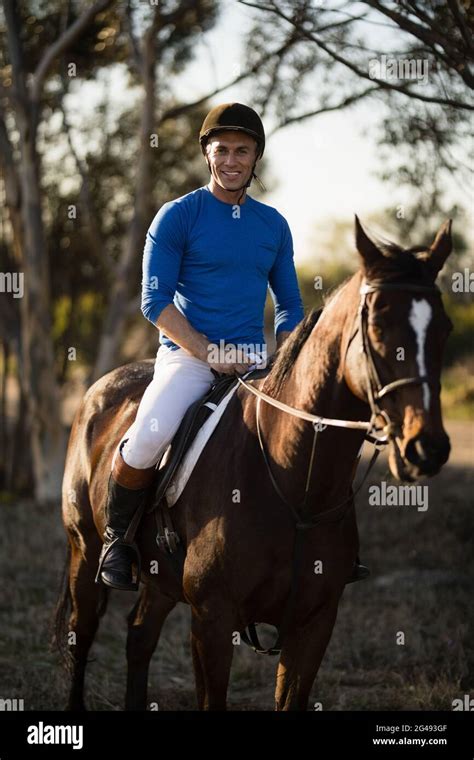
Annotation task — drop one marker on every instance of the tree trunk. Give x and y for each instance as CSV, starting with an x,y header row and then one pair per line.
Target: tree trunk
x,y
37,374
48,438
116,316
4,357
19,475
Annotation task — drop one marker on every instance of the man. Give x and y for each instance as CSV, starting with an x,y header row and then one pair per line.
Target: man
x,y
208,260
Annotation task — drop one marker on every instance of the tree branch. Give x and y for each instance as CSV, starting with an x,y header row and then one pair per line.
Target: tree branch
x,y
93,229
172,113
428,36
326,109
15,51
461,23
66,39
337,24
452,58
136,56
356,70
7,163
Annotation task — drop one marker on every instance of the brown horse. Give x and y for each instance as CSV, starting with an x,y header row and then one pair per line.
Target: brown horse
x,y
375,352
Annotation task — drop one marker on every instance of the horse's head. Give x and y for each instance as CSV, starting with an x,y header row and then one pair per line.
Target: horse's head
x,y
394,360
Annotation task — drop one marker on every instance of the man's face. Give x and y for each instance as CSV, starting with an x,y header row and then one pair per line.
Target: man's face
x,y
231,156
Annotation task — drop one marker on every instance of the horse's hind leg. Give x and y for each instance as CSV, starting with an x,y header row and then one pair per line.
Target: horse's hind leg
x,y
145,622
86,598
303,650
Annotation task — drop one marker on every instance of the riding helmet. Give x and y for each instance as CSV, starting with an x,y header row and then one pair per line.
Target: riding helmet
x,y
236,117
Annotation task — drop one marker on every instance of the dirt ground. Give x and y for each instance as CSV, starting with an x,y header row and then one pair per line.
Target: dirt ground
x,y
421,585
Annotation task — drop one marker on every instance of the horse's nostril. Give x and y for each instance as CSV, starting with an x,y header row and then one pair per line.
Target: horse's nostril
x,y
411,452
420,450
427,453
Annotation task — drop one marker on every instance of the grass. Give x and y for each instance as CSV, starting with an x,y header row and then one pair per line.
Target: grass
x,y
421,586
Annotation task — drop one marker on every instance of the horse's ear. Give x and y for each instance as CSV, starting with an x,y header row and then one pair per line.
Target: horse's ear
x,y
372,257
439,251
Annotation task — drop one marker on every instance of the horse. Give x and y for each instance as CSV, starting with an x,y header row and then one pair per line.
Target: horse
x,y
374,354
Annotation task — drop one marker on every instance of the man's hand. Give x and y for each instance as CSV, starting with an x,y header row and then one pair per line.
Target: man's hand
x,y
228,368
176,326
242,365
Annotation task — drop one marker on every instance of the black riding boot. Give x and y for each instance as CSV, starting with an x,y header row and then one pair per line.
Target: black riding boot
x,y
117,557
359,572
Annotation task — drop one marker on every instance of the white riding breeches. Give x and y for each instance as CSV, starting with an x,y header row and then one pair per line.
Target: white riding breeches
x,y
178,380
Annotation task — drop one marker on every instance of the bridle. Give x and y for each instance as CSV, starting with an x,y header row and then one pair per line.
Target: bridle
x,y
379,436
376,390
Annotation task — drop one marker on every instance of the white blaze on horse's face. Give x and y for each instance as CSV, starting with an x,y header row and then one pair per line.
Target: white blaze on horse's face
x,y
420,316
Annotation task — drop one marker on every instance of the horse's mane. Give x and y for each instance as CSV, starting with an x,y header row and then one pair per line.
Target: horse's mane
x,y
290,349
287,354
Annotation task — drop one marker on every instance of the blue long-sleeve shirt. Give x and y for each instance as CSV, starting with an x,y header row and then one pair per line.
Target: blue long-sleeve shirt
x,y
214,261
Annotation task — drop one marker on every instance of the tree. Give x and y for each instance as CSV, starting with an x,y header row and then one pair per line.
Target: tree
x,y
341,54
166,45
46,48
23,198
34,62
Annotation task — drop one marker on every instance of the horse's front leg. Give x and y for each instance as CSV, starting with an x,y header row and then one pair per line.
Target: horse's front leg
x,y
301,655
145,622
212,649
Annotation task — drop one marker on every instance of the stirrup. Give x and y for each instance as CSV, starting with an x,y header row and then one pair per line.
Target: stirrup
x,y
138,562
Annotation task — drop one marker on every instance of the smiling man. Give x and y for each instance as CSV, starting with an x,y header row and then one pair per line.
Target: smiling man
x,y
209,259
